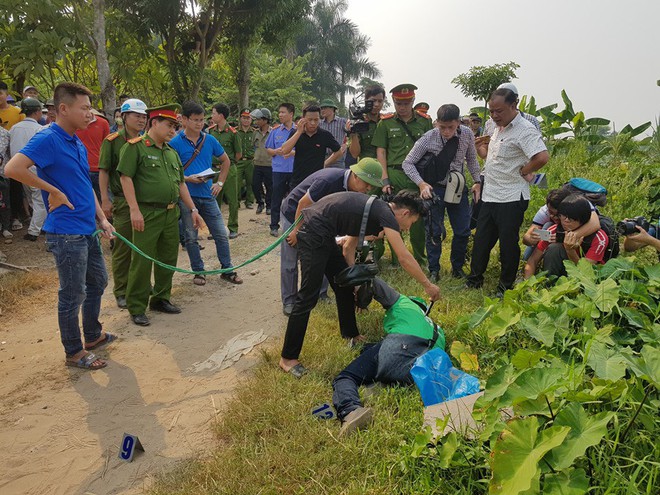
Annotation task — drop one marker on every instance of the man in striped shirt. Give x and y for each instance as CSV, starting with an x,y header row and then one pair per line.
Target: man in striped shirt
x,y
448,128
335,126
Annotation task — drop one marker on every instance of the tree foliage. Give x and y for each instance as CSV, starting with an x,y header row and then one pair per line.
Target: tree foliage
x,y
480,81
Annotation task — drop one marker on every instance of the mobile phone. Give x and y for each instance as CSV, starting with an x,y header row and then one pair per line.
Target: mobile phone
x,y
544,235
559,237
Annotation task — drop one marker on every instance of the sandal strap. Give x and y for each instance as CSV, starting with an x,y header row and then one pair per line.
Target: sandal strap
x,y
88,360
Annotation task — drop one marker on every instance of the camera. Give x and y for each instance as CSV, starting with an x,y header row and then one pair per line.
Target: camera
x,y
435,237
559,237
357,110
629,225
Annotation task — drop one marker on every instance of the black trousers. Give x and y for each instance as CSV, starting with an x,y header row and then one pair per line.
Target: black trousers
x,y
498,222
262,178
318,256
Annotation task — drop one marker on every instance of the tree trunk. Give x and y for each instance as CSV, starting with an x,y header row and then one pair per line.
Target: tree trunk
x,y
243,77
108,90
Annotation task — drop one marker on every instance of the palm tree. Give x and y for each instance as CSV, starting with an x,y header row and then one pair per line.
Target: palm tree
x,y
337,51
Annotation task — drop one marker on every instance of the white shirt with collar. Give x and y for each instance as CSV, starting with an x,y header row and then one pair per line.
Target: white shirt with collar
x,y
21,133
510,149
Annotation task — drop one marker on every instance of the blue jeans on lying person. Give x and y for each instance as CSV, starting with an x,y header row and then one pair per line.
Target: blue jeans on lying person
x,y
389,361
210,213
82,278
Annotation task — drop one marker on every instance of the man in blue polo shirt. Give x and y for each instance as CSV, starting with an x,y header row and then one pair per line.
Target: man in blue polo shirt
x,y
196,150
62,175
282,163
359,178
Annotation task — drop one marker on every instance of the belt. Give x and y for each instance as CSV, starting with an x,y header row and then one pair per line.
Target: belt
x,y
162,206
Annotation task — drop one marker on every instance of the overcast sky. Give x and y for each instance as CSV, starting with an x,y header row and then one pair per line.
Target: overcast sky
x,y
605,54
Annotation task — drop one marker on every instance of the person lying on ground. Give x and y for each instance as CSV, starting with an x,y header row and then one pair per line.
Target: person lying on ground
x,y
409,333
548,215
341,214
574,212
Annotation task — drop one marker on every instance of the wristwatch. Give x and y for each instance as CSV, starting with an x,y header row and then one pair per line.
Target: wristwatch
x,y
220,183
193,210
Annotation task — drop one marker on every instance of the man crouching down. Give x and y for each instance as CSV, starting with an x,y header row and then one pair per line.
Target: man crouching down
x,y
409,334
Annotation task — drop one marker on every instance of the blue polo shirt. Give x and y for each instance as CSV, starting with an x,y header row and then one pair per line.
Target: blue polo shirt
x,y
61,160
185,148
277,138
318,185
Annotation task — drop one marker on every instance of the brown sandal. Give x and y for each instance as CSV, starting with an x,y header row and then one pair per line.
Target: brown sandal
x,y
232,277
199,279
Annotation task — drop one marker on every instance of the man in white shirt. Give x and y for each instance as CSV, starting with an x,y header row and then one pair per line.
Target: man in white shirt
x,y
515,152
20,135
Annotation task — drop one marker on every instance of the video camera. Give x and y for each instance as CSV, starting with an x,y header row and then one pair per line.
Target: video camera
x,y
357,109
629,225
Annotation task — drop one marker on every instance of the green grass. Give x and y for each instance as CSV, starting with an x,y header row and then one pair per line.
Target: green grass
x,y
269,443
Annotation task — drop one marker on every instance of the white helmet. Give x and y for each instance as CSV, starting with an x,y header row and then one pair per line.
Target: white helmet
x,y
134,105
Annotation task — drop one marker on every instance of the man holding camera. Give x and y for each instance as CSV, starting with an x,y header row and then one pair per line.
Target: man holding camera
x,y
452,144
646,234
361,147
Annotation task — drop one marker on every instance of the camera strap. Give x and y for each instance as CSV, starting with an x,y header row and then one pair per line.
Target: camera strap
x,y
198,148
407,129
363,226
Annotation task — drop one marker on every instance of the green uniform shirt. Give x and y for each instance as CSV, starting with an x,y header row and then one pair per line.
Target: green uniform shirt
x,y
246,137
391,135
109,158
407,318
368,150
156,172
229,140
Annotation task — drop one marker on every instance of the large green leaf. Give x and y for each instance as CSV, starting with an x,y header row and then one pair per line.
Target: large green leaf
x,y
532,384
501,321
499,382
570,482
605,295
606,363
647,365
569,105
517,453
524,359
585,432
597,121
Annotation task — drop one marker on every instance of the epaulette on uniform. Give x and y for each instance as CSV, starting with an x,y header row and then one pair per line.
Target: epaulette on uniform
x,y
135,140
112,137
232,129
386,116
422,114
211,127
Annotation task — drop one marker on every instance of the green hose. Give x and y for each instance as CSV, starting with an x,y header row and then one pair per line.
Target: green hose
x,y
206,272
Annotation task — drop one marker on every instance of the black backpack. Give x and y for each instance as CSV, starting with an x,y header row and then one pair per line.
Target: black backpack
x,y
609,227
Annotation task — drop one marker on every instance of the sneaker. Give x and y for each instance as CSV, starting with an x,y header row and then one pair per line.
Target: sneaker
x,y
357,419
267,211
287,309
7,235
233,235
30,237
16,224
275,232
434,276
260,208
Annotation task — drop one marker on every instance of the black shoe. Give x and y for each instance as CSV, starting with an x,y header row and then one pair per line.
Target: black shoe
x,y
165,307
260,208
434,276
121,302
458,273
142,320
267,211
30,237
275,232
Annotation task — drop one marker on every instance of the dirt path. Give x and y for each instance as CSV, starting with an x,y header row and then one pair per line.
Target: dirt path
x,y
60,428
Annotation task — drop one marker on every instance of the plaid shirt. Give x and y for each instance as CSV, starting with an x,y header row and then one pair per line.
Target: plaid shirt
x,y
434,142
337,127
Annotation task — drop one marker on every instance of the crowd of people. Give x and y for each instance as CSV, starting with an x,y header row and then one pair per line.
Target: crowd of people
x,y
156,175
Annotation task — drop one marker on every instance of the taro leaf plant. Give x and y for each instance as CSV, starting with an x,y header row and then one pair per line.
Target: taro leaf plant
x,y
571,404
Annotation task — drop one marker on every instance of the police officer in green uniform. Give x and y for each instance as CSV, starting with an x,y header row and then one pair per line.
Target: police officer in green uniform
x,y
228,137
361,146
394,137
134,116
245,166
152,182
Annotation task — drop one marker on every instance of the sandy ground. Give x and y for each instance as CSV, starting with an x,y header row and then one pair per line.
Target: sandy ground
x,y
61,428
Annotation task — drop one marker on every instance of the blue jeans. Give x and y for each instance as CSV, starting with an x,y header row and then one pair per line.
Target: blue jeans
x,y
388,361
83,278
459,218
210,213
281,188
